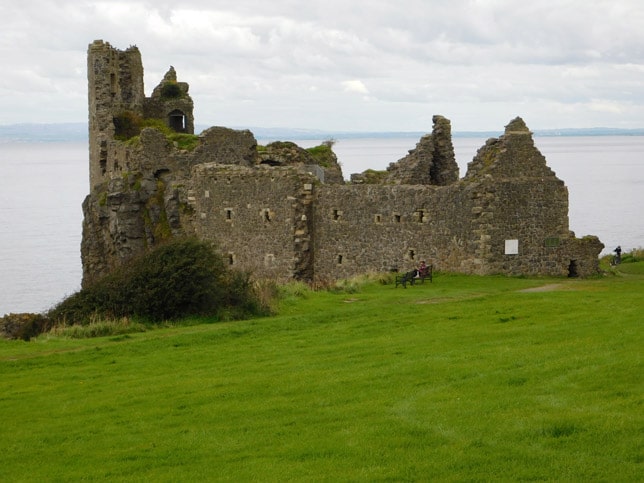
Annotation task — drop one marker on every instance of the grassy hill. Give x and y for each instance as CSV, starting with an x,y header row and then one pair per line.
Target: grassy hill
x,y
466,378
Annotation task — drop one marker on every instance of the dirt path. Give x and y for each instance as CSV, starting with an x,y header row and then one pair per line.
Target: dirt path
x,y
544,288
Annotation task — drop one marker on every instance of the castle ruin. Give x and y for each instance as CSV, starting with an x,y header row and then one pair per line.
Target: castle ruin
x,y
283,212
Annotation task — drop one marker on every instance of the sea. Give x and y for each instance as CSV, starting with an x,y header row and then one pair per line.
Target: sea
x,y
43,184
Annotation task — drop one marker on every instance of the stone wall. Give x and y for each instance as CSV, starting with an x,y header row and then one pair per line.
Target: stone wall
x,y
259,217
375,228
432,161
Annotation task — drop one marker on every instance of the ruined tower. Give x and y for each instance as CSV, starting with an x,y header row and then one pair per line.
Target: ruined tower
x,y
115,85
171,103
118,107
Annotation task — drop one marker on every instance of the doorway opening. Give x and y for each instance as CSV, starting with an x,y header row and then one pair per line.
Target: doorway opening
x,y
572,269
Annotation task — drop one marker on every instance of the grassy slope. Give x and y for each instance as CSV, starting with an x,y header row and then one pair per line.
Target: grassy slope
x,y
465,378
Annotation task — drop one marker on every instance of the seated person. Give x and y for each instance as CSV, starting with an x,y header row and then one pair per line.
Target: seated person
x,y
422,269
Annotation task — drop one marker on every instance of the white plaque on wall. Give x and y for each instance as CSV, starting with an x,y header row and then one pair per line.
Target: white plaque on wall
x,y
511,247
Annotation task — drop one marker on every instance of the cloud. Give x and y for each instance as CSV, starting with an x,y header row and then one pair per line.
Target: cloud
x,y
355,85
278,63
601,105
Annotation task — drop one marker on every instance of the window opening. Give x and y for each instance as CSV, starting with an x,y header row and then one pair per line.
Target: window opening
x,y
420,216
411,255
336,215
339,259
397,218
103,157
231,259
177,121
267,214
378,218
229,214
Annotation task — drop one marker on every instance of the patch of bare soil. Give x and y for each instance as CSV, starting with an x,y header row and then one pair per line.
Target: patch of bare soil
x,y
544,288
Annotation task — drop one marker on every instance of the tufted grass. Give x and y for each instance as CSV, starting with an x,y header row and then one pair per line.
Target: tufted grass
x,y
463,379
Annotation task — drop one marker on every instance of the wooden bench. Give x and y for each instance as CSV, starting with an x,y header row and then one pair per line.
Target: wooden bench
x,y
412,276
426,273
404,279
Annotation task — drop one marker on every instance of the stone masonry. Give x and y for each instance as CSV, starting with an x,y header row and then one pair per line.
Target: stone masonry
x,y
285,213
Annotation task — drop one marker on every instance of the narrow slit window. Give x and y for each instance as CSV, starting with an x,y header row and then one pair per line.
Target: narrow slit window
x,y
229,214
397,218
336,215
377,218
267,214
420,216
411,254
339,259
231,259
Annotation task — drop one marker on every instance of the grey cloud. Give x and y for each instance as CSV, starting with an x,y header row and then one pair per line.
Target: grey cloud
x,y
264,59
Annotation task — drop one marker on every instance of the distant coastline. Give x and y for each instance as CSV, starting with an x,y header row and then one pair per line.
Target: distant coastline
x,y
77,132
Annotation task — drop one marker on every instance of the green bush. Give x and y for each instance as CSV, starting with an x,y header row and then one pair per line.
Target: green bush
x,y
323,154
178,279
127,124
171,90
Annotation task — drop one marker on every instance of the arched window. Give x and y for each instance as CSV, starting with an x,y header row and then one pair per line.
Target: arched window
x,y
177,121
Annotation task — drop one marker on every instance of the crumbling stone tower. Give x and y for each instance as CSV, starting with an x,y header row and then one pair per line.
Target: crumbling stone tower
x,y
171,103
115,85
117,103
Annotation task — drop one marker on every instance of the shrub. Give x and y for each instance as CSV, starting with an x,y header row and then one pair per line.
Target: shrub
x,y
323,155
127,124
171,90
175,280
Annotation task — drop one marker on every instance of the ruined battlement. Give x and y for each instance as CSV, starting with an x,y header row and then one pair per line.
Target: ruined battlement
x,y
286,213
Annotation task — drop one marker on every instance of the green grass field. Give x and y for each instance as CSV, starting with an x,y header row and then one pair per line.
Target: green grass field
x,y
464,379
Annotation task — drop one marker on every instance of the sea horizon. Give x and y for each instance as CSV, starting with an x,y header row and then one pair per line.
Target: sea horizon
x,y
78,131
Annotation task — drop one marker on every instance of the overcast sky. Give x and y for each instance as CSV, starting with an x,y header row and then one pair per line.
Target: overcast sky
x,y
376,65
